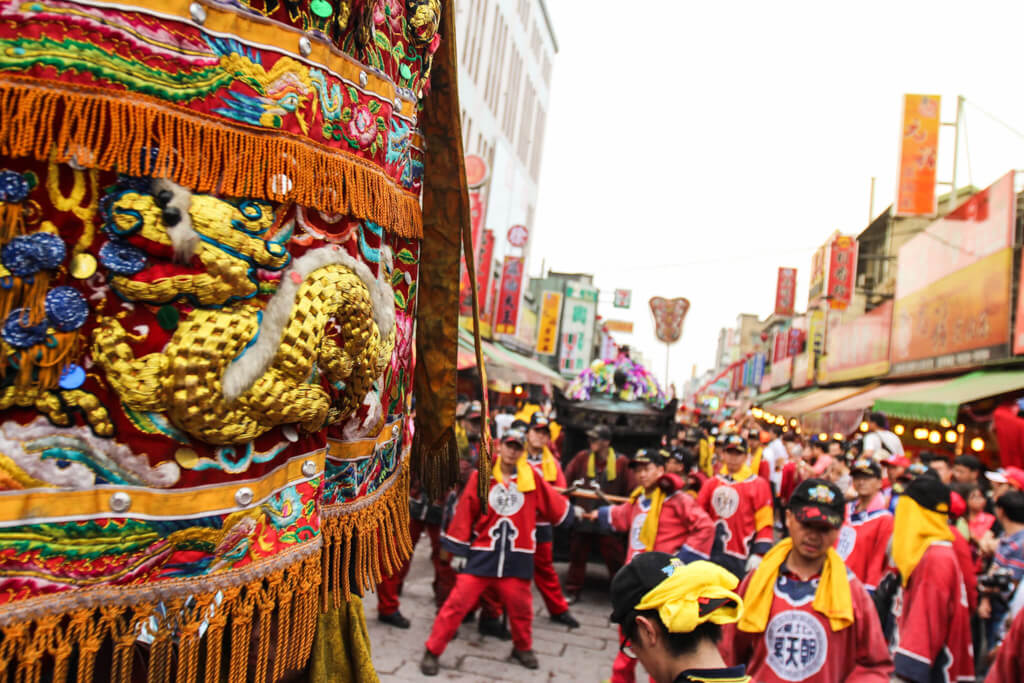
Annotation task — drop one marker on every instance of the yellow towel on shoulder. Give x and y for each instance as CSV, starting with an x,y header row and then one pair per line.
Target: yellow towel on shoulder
x,y
609,466
832,599
524,474
649,531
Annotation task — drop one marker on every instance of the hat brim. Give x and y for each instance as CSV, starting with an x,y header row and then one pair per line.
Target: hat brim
x,y
997,478
817,515
515,441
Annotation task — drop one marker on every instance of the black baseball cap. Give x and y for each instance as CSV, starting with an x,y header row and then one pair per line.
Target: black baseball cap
x,y
648,455
600,432
928,491
693,436
866,466
817,501
539,421
734,442
677,454
644,573
513,435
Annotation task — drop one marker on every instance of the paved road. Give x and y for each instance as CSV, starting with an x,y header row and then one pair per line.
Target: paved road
x,y
578,656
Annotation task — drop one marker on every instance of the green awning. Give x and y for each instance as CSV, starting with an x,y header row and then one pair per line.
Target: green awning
x,y
785,397
943,402
770,395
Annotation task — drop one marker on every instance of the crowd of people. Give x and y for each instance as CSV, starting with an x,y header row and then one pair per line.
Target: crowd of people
x,y
735,551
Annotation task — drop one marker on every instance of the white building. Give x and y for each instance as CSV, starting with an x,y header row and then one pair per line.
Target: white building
x,y
506,49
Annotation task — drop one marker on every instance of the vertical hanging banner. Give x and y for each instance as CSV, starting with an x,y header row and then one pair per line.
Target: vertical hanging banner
x,y
579,311
508,296
785,292
816,287
547,326
477,175
623,298
669,315
842,266
484,270
915,190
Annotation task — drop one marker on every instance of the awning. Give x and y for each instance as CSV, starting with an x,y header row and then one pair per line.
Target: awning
x,y
816,399
767,396
845,416
785,397
943,401
505,366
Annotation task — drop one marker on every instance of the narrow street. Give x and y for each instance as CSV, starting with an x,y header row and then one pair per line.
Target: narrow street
x,y
581,655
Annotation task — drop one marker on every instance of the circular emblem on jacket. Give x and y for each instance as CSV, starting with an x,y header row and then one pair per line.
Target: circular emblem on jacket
x,y
506,501
725,500
847,540
797,645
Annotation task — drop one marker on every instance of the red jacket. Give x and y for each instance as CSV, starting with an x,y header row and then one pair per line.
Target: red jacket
x,y
1009,664
544,532
743,516
502,541
799,644
684,529
862,544
965,559
933,622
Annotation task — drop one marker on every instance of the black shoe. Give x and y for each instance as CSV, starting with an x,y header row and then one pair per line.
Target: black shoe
x,y
470,616
429,665
493,627
526,658
565,618
395,619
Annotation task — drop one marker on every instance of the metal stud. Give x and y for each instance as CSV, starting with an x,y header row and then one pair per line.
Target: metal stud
x,y
394,430
288,431
197,12
398,105
243,496
309,468
363,78
120,501
305,47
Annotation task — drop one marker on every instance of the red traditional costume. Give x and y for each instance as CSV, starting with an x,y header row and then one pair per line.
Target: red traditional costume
x,y
499,545
863,541
742,510
544,575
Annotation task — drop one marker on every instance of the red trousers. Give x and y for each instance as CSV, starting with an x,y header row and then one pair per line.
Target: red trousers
x,y
444,576
514,593
546,578
612,551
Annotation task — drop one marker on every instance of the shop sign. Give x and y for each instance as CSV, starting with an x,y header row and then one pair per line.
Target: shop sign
x,y
816,287
484,272
622,326
785,292
842,259
547,326
623,298
579,310
782,372
518,235
915,190
815,340
508,296
979,227
859,347
959,321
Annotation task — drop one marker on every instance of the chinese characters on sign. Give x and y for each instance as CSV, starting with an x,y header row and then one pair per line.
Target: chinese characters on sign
x,y
842,267
484,268
915,190
547,328
623,298
785,292
518,235
508,296
577,336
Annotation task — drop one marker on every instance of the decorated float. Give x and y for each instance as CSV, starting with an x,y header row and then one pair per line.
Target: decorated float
x,y
211,252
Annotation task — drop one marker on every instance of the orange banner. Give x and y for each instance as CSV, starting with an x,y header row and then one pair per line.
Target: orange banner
x,y
623,326
959,321
547,325
915,190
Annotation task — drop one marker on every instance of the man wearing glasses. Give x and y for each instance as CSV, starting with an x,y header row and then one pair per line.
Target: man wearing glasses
x,y
740,503
671,617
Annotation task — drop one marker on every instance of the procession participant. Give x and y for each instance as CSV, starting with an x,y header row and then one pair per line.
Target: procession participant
x,y
807,617
741,507
933,628
671,617
499,543
675,462
1008,666
425,516
660,516
896,478
545,465
939,464
599,464
863,540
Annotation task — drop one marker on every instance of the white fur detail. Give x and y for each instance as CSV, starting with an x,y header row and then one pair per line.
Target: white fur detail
x,y
183,236
253,363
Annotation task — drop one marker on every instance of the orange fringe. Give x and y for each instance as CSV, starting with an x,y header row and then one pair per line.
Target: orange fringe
x,y
363,546
12,220
106,130
271,624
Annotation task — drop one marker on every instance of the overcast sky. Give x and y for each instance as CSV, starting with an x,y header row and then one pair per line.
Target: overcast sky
x,y
693,148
